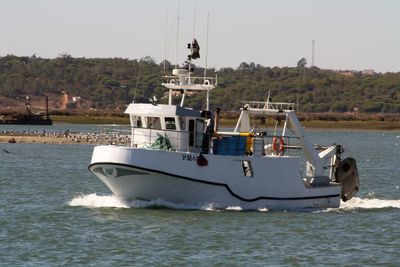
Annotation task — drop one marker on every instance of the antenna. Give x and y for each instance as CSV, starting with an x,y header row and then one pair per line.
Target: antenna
x,y
313,48
177,35
205,69
165,43
137,84
192,43
194,19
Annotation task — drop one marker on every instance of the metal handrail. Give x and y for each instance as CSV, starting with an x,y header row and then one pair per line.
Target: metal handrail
x,y
269,105
257,145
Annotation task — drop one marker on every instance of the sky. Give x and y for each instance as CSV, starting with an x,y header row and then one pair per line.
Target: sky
x,y
348,34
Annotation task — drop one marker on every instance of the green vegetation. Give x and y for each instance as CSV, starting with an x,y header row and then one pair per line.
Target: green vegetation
x,y
85,119
113,82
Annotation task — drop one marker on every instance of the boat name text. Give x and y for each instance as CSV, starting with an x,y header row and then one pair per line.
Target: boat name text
x,y
189,157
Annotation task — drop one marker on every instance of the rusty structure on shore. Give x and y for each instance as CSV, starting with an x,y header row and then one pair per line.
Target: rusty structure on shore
x,y
29,118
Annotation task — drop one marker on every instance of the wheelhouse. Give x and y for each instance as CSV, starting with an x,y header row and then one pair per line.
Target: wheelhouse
x,y
167,127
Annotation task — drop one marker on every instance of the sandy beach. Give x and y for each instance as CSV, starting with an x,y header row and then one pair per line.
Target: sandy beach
x,y
37,139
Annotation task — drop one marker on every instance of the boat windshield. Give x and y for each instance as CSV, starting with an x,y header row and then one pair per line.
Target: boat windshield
x,y
153,123
170,123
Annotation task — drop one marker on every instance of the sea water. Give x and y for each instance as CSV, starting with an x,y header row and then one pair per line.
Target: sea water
x,y
54,212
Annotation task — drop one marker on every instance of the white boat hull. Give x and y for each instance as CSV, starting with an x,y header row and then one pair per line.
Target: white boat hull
x,y
176,177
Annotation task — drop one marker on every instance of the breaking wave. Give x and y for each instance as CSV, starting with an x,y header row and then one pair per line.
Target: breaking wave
x,y
359,204
111,201
370,203
96,201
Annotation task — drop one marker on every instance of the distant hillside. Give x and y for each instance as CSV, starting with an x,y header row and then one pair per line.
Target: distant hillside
x,y
114,82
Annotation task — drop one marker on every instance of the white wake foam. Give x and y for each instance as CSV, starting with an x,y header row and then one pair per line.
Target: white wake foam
x,y
369,203
96,201
364,204
111,201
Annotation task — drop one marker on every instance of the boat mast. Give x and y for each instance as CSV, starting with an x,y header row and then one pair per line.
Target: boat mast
x,y
190,46
182,77
205,68
47,107
177,37
176,53
165,44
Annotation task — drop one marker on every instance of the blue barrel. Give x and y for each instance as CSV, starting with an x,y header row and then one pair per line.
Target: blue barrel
x,y
230,145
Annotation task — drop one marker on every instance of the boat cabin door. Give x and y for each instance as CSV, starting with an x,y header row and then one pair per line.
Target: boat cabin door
x,y
196,132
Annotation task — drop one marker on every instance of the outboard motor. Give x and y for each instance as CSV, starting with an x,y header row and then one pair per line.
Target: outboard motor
x,y
347,175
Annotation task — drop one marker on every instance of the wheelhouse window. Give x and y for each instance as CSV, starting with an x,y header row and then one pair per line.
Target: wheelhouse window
x,y
170,123
191,132
182,123
153,123
199,132
138,122
199,126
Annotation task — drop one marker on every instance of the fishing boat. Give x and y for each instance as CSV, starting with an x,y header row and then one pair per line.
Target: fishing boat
x,y
179,155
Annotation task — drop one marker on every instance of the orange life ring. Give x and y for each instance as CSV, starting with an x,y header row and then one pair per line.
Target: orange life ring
x,y
279,150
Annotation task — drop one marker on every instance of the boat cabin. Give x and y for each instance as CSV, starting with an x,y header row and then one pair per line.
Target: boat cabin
x,y
168,127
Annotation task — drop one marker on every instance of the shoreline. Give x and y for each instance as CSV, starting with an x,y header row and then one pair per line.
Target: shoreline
x,y
337,123
66,138
104,139
98,138
30,139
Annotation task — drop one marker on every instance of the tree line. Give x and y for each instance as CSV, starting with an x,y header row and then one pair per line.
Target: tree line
x,y
109,83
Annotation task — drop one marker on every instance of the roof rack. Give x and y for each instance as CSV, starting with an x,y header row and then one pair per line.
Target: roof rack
x,y
268,106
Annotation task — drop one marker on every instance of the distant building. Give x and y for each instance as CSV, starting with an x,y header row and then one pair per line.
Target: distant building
x,y
76,99
368,72
69,102
347,73
64,100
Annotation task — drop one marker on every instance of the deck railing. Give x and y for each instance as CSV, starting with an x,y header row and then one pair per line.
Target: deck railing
x,y
116,134
268,105
190,80
172,140
253,145
167,139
